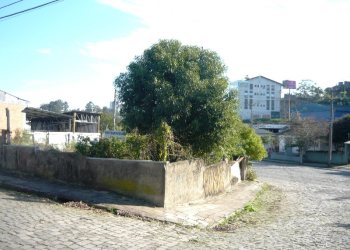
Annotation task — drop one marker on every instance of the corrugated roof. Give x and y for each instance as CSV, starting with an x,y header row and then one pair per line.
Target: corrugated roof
x,y
34,113
81,112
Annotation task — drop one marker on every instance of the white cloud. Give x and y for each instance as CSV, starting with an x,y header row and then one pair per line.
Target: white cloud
x,y
44,51
290,39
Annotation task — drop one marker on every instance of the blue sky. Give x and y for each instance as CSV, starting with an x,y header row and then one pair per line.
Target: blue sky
x,y
74,49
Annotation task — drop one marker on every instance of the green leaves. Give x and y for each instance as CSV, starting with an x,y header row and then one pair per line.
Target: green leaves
x,y
341,130
57,106
186,87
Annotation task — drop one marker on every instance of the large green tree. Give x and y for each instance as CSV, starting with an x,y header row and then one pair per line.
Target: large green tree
x,y
186,87
341,130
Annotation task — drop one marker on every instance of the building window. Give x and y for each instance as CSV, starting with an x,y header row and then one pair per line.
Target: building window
x,y
245,103
251,87
267,104
251,103
272,105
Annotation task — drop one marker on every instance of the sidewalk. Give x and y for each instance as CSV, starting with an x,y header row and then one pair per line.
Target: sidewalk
x,y
205,213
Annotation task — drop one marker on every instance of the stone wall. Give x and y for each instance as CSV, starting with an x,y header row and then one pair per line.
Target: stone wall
x,y
160,183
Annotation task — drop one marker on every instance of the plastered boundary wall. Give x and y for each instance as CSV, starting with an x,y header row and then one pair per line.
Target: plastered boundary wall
x,y
17,117
160,183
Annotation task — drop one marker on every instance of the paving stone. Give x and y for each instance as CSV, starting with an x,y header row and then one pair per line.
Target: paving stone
x,y
315,215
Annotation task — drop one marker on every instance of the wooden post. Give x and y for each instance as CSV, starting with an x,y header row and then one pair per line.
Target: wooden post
x,y
70,125
8,134
289,106
74,114
330,138
98,124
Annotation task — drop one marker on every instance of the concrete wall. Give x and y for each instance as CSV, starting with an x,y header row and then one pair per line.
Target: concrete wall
x,y
338,158
140,179
186,181
161,183
284,157
17,117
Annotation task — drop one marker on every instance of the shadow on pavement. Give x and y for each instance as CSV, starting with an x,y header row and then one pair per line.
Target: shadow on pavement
x,y
12,195
345,173
62,192
342,198
343,225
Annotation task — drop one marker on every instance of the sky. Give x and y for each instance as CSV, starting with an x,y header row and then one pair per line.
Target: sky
x,y
74,49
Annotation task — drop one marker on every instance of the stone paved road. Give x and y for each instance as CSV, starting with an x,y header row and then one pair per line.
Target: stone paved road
x,y
315,215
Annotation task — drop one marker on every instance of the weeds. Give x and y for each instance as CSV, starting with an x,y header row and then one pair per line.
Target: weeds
x,y
251,174
262,209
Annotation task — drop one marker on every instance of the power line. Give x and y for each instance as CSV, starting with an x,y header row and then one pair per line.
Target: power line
x,y
10,4
26,10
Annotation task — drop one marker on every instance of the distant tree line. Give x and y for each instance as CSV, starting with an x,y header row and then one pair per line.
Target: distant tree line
x,y
309,91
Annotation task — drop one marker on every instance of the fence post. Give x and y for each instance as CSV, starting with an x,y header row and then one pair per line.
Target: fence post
x,y
8,132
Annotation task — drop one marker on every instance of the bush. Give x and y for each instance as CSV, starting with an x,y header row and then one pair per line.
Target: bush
x,y
138,146
251,174
22,137
83,146
104,148
159,146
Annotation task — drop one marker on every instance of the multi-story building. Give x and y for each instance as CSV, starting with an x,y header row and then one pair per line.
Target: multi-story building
x,y
259,97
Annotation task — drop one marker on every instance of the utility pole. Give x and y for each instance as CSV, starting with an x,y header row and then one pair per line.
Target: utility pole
x,y
330,142
289,105
115,107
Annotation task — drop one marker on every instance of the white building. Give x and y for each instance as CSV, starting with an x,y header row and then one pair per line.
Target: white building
x,y
259,97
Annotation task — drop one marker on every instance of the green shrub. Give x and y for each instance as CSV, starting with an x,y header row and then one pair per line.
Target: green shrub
x,y
251,174
109,148
22,137
159,146
83,146
138,146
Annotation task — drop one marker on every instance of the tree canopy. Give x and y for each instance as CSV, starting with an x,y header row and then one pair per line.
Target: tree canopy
x,y
306,133
341,130
186,87
57,106
309,90
91,107
340,93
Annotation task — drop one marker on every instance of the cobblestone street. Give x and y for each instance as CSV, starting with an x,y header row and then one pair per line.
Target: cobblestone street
x,y
315,214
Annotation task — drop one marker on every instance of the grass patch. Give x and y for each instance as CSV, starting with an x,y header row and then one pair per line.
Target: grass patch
x,y
262,209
